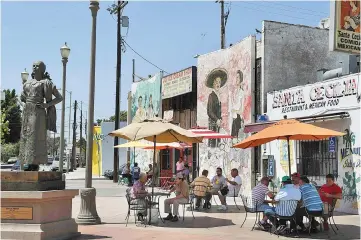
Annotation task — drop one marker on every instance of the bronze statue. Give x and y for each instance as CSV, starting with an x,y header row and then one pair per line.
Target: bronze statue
x,y
38,117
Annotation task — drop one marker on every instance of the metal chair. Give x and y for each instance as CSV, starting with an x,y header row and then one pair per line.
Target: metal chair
x,y
203,190
329,214
282,208
122,180
250,206
135,204
190,203
236,196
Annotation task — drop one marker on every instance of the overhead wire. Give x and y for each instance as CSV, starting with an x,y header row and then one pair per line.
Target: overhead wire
x,y
298,8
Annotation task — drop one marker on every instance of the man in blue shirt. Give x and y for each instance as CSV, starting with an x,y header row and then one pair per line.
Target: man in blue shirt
x,y
312,203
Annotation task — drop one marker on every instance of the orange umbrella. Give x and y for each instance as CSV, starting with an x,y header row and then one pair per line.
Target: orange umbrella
x,y
288,129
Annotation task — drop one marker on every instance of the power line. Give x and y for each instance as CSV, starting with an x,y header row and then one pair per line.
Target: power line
x,y
297,8
143,57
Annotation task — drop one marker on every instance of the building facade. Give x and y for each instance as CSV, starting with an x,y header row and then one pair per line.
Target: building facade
x,y
332,104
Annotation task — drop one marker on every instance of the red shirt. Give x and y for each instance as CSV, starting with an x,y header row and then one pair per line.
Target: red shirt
x,y
333,189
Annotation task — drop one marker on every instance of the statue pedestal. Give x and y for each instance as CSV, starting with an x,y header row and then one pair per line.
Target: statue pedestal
x,y
36,206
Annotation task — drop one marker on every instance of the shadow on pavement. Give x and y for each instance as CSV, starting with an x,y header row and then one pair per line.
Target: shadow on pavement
x,y
214,209
198,222
91,236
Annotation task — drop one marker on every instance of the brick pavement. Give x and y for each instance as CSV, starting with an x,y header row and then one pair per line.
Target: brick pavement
x,y
212,225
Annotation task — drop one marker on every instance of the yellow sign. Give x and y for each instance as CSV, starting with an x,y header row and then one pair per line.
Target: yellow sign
x,y
17,213
345,28
97,148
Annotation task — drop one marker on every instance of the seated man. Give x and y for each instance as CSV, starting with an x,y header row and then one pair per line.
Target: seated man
x,y
311,203
201,186
287,193
139,194
234,186
328,192
295,179
218,182
182,196
259,194
126,173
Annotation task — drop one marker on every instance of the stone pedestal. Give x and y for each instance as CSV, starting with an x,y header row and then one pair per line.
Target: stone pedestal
x,y
88,212
38,215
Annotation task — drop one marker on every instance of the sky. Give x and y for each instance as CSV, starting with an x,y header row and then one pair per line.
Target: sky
x,y
168,34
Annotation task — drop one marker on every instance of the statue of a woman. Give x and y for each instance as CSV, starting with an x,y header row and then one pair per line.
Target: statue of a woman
x,y
38,117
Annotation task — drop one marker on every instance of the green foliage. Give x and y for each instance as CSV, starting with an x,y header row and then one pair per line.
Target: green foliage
x,y
81,144
349,183
9,150
12,111
54,145
4,127
122,117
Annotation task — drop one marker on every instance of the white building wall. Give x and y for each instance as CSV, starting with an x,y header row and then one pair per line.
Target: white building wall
x,y
349,164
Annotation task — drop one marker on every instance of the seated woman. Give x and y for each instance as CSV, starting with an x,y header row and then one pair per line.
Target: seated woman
x,y
181,189
139,194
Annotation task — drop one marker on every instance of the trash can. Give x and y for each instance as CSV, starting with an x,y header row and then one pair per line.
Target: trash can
x,y
153,215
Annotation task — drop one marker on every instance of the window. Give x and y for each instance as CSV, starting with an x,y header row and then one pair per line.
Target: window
x,y
315,159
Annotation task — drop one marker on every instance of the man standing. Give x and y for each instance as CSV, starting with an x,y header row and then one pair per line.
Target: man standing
x,y
136,172
201,187
180,165
234,186
328,193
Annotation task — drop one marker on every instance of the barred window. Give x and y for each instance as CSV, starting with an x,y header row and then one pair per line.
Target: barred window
x,y
315,159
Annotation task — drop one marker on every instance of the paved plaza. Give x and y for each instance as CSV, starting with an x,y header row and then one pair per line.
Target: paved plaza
x,y
112,208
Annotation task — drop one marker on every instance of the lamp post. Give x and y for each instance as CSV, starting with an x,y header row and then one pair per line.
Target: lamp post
x,y
69,131
64,51
88,213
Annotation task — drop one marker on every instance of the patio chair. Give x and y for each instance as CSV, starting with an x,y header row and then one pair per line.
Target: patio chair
x,y
139,204
122,180
283,207
201,189
250,206
314,215
329,215
236,196
189,203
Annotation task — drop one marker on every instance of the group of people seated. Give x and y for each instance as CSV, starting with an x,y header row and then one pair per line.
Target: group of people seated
x,y
309,200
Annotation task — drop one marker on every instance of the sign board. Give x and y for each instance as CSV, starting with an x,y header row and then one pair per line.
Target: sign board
x,y
16,213
177,83
314,98
332,144
168,115
271,166
345,26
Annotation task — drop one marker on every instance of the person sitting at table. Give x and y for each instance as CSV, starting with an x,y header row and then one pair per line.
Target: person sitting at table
x,y
126,174
328,192
201,187
139,194
218,182
295,179
259,193
233,185
312,204
181,190
287,193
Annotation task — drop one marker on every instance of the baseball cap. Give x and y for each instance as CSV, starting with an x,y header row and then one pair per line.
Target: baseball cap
x,y
286,179
296,175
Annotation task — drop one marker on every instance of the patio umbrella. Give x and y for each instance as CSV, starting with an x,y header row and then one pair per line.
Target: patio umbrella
x,y
134,144
156,130
288,129
176,145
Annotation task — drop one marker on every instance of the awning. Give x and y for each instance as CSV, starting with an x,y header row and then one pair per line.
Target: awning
x,y
256,127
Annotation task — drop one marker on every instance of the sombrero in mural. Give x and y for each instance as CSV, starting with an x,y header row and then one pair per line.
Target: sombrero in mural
x,y
214,74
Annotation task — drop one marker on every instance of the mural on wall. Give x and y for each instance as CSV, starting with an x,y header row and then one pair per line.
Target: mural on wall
x,y
224,105
283,146
350,162
146,103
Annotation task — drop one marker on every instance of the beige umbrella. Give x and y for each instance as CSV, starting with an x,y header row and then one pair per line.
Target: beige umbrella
x,y
156,130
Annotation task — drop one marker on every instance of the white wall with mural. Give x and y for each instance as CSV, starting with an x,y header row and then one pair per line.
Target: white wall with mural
x,y
331,96
224,105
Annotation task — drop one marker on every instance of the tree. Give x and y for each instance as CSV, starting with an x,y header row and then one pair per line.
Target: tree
x,y
4,127
81,143
9,150
122,117
54,145
12,111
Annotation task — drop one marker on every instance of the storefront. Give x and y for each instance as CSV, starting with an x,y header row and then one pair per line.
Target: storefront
x,y
332,104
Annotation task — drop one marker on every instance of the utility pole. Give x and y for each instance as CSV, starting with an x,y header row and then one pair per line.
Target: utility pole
x,y
73,152
81,134
223,29
85,127
68,158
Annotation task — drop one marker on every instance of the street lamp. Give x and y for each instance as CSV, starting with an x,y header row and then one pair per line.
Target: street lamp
x,y
24,76
88,212
64,51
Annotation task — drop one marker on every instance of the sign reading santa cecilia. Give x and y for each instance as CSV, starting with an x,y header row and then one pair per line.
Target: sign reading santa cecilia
x,y
345,26
177,83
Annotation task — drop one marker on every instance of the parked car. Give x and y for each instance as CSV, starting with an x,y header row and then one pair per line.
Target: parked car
x,y
12,160
50,160
109,173
55,164
16,166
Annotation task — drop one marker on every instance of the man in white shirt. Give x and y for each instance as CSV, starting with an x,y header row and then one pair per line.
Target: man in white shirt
x,y
234,186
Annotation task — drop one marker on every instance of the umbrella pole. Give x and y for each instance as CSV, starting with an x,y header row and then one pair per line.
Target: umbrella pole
x,y
197,160
150,212
289,156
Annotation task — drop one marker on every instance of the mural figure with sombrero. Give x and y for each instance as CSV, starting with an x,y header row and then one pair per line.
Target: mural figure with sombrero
x,y
216,79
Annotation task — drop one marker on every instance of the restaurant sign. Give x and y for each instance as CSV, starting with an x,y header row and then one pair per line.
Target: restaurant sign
x,y
177,83
328,94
